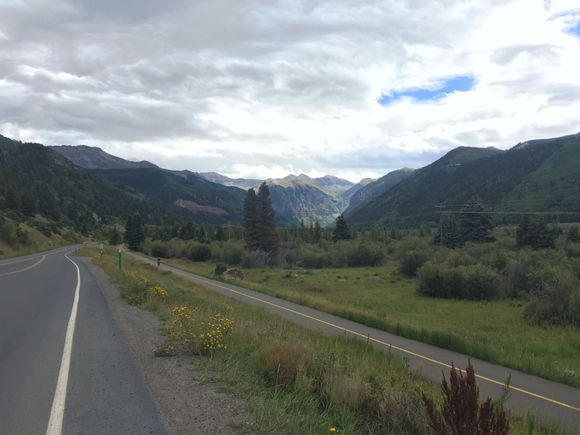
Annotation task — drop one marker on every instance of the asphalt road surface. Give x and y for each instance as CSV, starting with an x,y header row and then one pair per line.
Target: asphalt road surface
x,y
549,400
64,366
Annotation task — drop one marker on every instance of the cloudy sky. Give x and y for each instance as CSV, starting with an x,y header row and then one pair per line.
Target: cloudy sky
x,y
261,88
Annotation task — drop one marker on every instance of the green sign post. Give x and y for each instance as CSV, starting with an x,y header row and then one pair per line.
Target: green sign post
x,y
120,253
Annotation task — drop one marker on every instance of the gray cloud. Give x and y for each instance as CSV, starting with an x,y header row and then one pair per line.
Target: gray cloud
x,y
282,83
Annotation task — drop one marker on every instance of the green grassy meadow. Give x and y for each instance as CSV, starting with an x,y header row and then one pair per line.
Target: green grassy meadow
x,y
383,298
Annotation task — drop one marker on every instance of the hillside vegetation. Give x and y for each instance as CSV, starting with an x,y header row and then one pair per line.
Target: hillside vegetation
x,y
539,175
35,180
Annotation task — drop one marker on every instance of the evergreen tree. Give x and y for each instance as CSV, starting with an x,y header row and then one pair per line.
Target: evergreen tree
x,y
573,234
12,201
188,231
115,237
220,235
341,230
134,232
28,205
268,234
317,232
535,234
251,231
448,235
474,226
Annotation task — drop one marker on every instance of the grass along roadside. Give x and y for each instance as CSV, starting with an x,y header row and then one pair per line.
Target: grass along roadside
x,y
384,299
294,380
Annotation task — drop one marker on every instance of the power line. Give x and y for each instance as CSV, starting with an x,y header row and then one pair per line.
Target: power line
x,y
511,212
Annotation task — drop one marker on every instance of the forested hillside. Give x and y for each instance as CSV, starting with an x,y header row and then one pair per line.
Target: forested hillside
x,y
36,180
535,176
207,202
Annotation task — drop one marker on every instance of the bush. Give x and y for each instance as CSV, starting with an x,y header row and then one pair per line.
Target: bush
x,y
8,233
281,364
365,254
312,260
227,252
199,252
159,249
219,270
463,282
411,262
254,259
556,300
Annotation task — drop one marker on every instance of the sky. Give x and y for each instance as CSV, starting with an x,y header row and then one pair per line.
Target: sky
x,y
261,88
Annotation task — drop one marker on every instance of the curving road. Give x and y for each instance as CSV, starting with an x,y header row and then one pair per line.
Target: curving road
x,y
549,400
64,366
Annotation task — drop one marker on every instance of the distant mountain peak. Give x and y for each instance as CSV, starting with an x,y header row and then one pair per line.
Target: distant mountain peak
x,y
91,157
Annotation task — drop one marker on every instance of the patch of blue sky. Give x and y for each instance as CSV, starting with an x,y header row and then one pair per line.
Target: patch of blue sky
x,y
575,29
442,89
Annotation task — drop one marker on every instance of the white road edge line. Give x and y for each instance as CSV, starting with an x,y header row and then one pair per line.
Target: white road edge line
x,y
59,401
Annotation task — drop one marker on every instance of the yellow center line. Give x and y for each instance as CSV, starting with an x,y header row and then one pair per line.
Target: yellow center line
x,y
26,268
383,343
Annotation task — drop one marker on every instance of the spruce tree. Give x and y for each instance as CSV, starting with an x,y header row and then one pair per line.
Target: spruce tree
x,y
115,237
134,232
448,235
220,235
268,234
474,226
573,234
317,232
251,231
535,233
341,230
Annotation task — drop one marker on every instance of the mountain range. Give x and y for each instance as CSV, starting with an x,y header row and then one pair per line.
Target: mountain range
x,y
538,175
215,197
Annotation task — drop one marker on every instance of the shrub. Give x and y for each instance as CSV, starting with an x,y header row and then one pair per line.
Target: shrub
x,y
134,287
312,260
281,363
8,233
555,300
254,259
365,254
228,252
159,249
411,262
461,412
220,268
199,252
463,282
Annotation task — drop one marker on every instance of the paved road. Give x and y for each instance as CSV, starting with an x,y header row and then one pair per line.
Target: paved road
x,y
549,400
64,367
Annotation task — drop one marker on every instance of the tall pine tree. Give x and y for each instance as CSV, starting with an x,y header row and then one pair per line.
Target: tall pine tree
x,y
341,230
251,231
134,232
474,226
268,234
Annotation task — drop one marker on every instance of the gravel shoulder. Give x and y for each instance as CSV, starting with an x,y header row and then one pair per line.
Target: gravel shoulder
x,y
187,404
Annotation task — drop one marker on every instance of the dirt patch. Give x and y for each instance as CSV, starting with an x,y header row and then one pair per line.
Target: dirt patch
x,y
186,403
194,207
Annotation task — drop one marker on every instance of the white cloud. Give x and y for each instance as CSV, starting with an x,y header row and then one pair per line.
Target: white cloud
x,y
263,87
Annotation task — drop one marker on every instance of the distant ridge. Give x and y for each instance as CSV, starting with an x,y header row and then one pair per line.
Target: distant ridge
x,y
88,157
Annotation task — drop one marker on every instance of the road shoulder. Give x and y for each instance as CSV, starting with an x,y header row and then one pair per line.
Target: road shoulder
x,y
186,403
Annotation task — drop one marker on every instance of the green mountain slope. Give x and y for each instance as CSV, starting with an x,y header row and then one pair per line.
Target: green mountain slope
x,y
375,189
538,175
208,202
36,180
